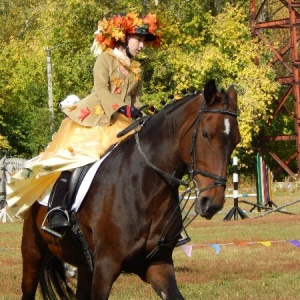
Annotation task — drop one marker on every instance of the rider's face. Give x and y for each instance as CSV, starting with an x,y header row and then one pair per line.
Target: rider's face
x,y
135,43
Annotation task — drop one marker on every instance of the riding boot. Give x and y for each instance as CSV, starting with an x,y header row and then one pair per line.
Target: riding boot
x,y
59,217
59,220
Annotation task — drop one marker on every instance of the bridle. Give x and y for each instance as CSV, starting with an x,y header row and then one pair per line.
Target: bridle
x,y
218,180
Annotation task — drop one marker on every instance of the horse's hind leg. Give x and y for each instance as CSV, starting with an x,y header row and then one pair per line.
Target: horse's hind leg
x,y
162,279
33,248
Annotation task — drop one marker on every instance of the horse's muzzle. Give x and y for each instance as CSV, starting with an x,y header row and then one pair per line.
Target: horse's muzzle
x,y
206,207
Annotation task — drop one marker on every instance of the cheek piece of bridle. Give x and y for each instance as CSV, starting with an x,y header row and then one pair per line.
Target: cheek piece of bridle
x,y
192,190
218,180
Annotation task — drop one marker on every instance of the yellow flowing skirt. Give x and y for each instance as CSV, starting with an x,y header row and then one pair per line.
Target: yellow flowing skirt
x,y
72,146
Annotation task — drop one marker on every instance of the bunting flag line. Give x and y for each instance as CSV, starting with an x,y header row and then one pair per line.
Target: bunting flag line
x,y
188,249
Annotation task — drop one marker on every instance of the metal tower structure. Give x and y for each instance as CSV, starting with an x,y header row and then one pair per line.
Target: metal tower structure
x,y
281,19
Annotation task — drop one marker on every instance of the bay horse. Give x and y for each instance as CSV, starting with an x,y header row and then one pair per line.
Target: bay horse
x,y
130,217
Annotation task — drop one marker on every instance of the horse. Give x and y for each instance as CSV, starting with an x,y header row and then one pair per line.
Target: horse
x,y
8,166
130,217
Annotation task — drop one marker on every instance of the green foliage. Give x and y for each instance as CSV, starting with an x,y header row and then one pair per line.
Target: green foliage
x,y
201,40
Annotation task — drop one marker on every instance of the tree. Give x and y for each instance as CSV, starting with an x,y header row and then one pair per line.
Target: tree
x,y
198,44
200,48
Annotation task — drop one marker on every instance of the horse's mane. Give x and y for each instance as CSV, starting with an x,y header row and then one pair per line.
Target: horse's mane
x,y
171,107
164,114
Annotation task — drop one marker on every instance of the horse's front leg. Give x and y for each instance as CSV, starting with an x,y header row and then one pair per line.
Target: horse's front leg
x,y
106,272
84,282
162,279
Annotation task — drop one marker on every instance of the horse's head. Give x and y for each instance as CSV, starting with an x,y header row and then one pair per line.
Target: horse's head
x,y
214,134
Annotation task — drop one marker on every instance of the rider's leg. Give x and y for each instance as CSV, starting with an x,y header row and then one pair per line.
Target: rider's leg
x,y
58,218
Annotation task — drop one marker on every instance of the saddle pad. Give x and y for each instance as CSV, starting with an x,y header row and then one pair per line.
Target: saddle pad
x,y
84,187
85,184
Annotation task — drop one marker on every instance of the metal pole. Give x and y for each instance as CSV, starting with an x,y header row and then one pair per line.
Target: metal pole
x,y
50,92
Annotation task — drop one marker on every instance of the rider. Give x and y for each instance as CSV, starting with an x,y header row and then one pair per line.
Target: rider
x,y
93,122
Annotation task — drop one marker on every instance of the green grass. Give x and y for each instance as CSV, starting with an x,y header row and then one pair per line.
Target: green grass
x,y
244,268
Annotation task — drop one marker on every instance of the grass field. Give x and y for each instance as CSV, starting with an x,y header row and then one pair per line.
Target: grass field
x,y
256,260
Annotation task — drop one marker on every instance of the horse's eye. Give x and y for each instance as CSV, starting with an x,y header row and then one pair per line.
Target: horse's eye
x,y
205,135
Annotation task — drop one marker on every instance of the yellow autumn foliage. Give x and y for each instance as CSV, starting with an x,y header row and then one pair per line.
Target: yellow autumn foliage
x,y
223,50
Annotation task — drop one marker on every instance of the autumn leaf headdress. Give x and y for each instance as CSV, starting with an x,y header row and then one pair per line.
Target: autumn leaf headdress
x,y
115,29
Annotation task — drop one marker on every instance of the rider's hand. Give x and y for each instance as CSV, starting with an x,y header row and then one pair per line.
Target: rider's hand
x,y
130,112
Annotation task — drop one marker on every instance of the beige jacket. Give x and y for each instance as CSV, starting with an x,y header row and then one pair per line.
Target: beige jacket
x,y
117,82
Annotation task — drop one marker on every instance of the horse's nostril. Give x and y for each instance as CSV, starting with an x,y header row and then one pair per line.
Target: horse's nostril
x,y
206,207
202,205
205,204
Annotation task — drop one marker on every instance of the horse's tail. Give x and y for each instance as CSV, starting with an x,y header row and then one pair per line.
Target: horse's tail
x,y
53,282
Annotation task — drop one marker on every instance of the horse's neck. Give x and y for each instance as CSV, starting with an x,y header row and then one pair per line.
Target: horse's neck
x,y
160,140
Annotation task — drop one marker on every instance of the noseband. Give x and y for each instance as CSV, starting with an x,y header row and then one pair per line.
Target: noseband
x,y
218,180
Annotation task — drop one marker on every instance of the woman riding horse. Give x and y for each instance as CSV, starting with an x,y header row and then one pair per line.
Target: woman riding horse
x,y
92,123
130,217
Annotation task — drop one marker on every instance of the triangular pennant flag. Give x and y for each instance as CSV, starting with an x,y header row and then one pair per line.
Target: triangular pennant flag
x,y
296,243
187,249
216,247
241,243
266,244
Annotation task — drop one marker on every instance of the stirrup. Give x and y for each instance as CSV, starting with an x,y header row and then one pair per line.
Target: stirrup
x,y
49,230
183,241
184,238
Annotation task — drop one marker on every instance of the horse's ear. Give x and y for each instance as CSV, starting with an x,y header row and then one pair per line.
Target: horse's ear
x,y
210,91
232,96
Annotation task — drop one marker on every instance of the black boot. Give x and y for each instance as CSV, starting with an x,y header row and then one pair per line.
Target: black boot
x,y
59,220
58,215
